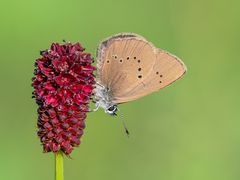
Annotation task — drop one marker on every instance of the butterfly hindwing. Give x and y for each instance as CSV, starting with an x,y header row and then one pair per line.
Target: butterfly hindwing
x,y
166,70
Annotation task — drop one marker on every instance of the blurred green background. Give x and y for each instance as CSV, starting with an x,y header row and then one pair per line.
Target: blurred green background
x,y
188,131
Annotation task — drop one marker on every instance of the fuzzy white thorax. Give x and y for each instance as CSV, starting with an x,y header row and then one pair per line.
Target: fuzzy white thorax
x,y
103,99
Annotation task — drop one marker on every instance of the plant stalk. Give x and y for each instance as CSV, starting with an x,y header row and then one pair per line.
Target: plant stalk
x,y
59,165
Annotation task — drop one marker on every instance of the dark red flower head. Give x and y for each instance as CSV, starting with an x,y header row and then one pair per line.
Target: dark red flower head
x,y
63,85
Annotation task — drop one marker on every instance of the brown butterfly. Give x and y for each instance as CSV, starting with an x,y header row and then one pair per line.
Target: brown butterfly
x,y
130,67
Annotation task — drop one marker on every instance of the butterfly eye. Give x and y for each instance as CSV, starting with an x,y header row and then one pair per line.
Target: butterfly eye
x,y
111,108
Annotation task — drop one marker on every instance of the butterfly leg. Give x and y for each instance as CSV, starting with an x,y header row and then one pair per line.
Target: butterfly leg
x,y
96,108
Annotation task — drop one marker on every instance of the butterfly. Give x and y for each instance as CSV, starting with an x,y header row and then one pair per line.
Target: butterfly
x,y
130,67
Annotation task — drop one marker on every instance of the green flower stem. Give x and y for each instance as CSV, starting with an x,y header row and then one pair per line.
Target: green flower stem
x,y
59,165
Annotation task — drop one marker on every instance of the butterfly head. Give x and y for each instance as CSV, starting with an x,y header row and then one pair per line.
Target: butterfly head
x,y
112,110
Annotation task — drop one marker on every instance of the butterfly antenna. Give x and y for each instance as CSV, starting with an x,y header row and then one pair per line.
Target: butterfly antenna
x,y
124,125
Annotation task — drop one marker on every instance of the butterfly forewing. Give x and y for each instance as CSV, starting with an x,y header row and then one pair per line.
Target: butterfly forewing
x,y
121,59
